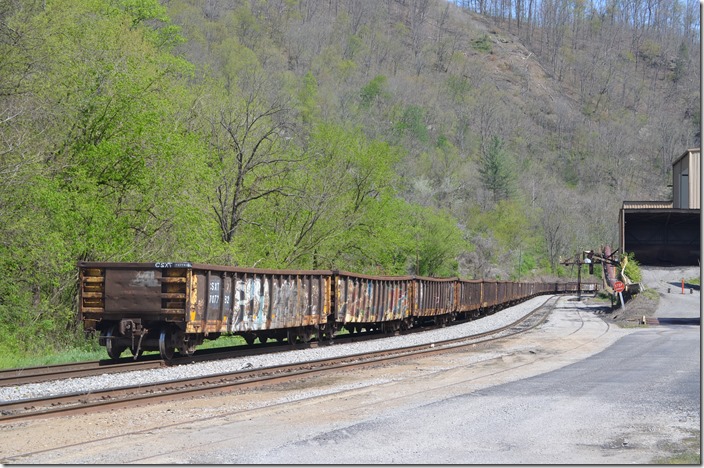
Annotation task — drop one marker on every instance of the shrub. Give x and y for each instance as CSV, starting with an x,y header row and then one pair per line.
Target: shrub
x,y
632,269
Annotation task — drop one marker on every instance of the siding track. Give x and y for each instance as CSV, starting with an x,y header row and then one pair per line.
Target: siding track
x,y
139,395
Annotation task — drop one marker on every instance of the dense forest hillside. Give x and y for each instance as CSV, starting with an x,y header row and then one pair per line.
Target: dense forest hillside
x,y
477,138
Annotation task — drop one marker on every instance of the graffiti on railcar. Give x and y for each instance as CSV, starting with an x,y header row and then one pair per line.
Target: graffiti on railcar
x,y
277,302
367,301
250,304
397,302
284,297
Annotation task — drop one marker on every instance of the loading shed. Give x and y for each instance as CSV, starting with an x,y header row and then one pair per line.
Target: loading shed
x,y
667,233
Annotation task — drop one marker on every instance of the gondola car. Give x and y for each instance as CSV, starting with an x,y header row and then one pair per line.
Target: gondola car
x,y
167,306
176,306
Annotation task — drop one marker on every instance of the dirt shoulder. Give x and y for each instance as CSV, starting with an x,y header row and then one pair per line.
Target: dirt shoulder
x,y
641,305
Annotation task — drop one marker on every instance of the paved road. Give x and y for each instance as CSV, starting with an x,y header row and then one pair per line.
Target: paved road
x,y
631,403
624,405
668,283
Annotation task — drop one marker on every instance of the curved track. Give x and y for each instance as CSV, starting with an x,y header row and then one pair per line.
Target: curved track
x,y
183,388
22,376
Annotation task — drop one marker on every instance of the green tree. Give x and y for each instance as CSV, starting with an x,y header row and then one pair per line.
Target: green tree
x,y
436,242
95,172
336,203
373,90
495,171
412,122
307,99
246,138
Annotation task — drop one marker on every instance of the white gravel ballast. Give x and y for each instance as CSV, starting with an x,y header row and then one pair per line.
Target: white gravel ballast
x,y
145,377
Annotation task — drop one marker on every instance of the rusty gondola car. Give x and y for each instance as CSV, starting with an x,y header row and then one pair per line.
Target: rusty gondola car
x,y
168,306
364,302
164,306
469,298
435,300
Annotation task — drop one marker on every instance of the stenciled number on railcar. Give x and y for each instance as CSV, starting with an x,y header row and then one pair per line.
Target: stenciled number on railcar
x,y
214,297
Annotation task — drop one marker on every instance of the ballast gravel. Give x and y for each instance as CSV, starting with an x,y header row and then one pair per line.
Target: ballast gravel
x,y
146,377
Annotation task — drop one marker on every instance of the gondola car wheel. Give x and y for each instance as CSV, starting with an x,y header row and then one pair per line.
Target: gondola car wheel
x,y
166,348
114,350
291,336
327,333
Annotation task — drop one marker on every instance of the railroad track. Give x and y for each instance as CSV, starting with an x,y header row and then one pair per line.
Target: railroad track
x,y
131,396
15,377
23,376
39,374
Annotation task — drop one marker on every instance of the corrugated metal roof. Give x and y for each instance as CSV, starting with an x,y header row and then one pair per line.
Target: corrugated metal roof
x,y
641,205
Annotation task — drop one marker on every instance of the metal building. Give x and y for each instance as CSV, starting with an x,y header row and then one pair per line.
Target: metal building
x,y
686,181
667,233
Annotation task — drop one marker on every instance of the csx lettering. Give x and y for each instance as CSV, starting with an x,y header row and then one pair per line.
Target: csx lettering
x,y
172,265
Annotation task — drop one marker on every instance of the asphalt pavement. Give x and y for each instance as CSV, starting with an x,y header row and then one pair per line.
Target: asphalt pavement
x,y
632,403
638,401
675,301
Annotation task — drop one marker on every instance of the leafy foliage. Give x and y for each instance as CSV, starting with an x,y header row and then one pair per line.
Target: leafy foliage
x,y
632,270
495,169
378,137
373,90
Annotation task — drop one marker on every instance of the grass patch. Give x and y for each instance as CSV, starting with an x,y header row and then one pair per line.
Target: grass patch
x,y
483,44
650,294
603,297
636,324
65,357
92,352
686,452
229,340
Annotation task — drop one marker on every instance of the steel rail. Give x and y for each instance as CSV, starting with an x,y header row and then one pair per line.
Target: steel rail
x,y
38,374
14,377
130,396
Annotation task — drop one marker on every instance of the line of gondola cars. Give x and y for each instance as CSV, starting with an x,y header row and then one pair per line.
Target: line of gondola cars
x,y
176,306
